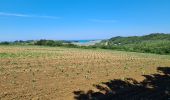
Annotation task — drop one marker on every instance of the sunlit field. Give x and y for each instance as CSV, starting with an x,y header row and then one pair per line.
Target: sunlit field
x,y
47,73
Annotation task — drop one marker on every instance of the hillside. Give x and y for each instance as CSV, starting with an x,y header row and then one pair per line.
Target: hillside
x,y
158,43
153,43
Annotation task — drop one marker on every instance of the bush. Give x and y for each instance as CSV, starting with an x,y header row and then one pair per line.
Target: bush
x,y
4,43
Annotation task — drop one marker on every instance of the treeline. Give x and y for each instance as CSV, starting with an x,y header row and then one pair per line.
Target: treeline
x,y
54,43
154,43
41,42
18,42
158,43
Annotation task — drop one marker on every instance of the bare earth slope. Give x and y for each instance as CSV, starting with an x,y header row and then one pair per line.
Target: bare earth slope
x,y
50,73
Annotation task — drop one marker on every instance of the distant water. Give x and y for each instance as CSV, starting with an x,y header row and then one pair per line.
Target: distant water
x,y
85,42
81,41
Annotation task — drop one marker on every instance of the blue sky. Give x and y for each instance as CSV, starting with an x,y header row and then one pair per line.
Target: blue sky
x,y
81,19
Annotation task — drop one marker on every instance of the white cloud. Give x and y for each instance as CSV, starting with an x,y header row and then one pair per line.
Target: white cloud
x,y
102,21
27,16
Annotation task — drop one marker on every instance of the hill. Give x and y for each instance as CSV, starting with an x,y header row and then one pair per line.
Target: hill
x,y
158,43
153,43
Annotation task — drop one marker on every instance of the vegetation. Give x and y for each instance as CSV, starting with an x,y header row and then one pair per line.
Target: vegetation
x,y
18,42
154,43
158,43
26,65
42,42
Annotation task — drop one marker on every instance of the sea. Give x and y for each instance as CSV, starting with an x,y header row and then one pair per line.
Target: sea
x,y
85,42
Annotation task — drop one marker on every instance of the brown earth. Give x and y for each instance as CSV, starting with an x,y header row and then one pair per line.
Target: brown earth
x,y
48,73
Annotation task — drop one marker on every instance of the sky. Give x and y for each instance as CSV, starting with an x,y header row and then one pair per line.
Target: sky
x,y
81,19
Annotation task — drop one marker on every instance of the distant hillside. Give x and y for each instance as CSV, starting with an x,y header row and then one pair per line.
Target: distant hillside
x,y
153,43
158,43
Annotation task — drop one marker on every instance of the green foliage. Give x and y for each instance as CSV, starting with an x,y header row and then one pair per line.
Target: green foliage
x,y
154,43
48,43
54,43
4,43
18,42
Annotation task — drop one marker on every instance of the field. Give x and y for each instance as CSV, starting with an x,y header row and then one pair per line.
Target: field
x,y
54,73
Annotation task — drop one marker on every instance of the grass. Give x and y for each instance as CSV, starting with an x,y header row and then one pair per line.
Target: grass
x,y
50,72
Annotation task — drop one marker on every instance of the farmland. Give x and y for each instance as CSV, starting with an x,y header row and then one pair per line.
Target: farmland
x,y
39,72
